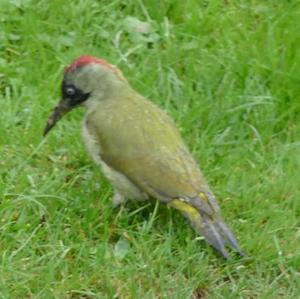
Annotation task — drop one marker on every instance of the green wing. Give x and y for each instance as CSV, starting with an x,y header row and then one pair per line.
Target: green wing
x,y
139,140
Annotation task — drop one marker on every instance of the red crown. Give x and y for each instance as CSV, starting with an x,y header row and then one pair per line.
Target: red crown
x,y
86,59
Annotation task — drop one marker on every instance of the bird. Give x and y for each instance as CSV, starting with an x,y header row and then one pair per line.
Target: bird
x,y
139,148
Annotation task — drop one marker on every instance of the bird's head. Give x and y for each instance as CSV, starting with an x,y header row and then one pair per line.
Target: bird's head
x,y
86,81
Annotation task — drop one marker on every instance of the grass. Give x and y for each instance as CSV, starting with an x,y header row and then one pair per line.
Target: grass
x,y
228,73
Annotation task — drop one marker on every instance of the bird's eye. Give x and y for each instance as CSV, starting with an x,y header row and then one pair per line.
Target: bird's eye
x,y
70,91
74,94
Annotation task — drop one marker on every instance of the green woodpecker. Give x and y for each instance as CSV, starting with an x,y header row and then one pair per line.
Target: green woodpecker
x,y
139,148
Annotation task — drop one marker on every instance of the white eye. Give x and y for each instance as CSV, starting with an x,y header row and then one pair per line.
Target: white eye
x,y
70,91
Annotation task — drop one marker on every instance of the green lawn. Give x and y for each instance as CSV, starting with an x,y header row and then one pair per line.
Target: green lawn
x,y
228,72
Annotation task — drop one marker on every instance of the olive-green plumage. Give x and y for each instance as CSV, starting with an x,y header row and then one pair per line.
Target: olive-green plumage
x,y
139,147
142,142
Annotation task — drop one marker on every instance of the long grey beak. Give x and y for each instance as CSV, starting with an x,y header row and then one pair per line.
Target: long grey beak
x,y
59,111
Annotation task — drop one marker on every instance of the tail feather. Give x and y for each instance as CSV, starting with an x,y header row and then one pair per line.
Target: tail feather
x,y
229,236
213,229
212,235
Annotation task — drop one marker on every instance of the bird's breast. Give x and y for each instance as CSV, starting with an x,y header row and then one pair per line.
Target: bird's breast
x,y
117,179
91,143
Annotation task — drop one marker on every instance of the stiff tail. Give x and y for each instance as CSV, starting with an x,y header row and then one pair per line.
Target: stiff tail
x,y
213,229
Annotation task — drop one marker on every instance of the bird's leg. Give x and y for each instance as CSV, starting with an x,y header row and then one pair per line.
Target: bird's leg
x,y
118,199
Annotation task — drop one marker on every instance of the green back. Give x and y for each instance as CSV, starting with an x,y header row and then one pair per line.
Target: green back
x,y
140,140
